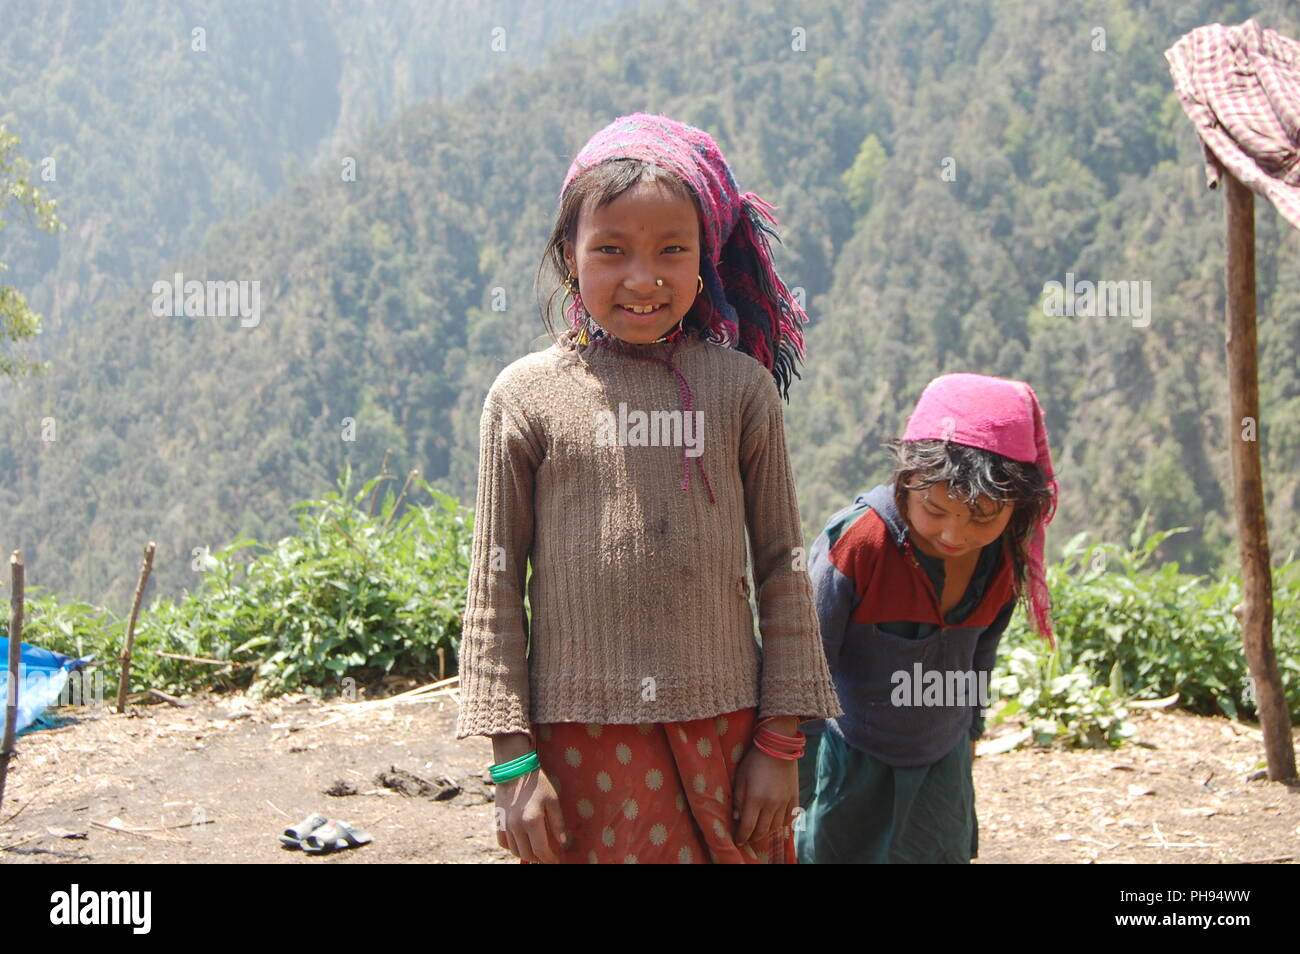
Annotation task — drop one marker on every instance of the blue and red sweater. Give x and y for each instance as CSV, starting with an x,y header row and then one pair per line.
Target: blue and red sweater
x,y
878,600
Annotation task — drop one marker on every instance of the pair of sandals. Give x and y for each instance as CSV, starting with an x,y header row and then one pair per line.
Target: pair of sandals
x,y
318,835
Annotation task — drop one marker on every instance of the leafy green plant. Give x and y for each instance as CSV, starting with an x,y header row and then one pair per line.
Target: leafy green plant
x,y
1168,632
1068,707
351,593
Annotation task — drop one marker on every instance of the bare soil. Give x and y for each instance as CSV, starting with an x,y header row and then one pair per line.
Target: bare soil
x,y
1193,796
219,780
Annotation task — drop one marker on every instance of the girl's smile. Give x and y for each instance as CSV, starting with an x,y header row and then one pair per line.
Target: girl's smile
x,y
621,252
643,311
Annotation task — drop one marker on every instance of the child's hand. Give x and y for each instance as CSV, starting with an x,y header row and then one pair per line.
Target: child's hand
x,y
529,821
767,793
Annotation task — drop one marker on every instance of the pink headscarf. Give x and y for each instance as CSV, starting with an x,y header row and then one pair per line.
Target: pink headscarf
x,y
746,305
1002,416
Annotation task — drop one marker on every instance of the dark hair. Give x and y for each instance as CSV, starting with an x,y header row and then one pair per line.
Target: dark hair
x,y
603,183
971,473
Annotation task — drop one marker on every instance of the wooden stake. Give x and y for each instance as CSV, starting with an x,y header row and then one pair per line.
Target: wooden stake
x,y
145,566
397,504
1247,478
383,475
16,576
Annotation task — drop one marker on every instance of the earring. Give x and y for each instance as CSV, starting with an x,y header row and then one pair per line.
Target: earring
x,y
571,286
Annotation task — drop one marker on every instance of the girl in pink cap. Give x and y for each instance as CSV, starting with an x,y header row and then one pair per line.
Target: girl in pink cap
x,y
634,467
915,583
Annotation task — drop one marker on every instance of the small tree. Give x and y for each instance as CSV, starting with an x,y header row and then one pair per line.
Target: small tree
x,y
860,180
17,320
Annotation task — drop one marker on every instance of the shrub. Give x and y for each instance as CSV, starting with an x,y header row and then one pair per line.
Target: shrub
x,y
1168,631
350,592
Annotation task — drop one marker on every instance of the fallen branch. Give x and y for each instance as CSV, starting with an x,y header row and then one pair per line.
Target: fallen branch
x,y
20,841
166,698
17,813
129,831
108,826
200,659
391,700
360,708
1182,844
188,824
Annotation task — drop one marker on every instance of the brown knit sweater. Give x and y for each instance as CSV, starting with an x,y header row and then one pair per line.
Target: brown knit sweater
x,y
639,599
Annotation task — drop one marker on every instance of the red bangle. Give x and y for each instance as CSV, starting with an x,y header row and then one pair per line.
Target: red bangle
x,y
776,737
783,746
777,755
775,744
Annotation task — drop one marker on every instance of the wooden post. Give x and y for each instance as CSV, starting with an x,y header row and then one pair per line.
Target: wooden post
x,y
145,566
1252,527
15,653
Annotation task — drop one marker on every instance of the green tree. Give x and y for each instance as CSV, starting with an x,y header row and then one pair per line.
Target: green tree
x,y
860,180
17,320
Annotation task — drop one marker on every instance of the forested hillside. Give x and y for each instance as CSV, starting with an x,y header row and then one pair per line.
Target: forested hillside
x,y
163,118
933,165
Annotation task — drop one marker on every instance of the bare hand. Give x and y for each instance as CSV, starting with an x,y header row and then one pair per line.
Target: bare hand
x,y
767,794
530,824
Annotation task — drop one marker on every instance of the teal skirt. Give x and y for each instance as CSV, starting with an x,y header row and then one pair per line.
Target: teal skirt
x,y
859,810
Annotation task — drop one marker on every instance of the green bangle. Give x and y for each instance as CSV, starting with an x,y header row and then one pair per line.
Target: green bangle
x,y
513,763
515,767
511,770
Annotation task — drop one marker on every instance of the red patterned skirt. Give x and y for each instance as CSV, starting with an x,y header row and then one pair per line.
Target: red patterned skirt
x,y
653,793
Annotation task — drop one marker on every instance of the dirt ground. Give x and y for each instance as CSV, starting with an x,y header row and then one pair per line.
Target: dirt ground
x,y
219,780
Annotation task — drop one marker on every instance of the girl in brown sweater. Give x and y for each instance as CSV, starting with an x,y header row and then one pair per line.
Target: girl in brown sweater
x,y
634,715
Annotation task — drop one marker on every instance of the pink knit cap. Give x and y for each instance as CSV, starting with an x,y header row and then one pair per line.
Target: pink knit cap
x,y
1002,416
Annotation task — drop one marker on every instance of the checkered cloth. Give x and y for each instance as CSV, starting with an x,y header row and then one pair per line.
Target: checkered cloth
x,y
1240,85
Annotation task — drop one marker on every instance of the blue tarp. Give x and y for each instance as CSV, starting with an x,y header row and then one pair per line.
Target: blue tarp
x,y
42,674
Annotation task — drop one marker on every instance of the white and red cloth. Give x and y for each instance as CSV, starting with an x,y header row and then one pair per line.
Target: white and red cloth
x,y
1240,86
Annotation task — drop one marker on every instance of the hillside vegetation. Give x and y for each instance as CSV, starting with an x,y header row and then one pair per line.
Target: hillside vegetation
x,y
933,164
